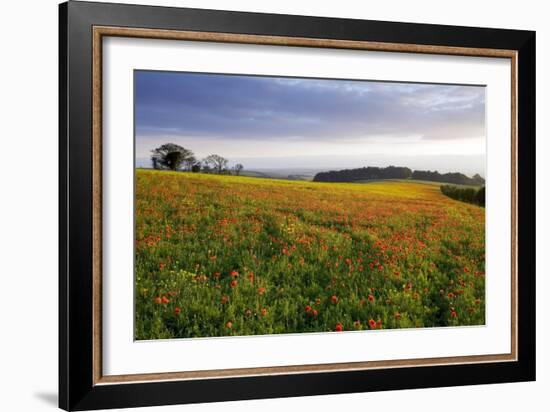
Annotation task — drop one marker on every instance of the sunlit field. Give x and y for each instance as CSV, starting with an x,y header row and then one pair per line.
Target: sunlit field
x,y
228,255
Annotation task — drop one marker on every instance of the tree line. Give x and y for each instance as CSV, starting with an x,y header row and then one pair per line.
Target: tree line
x,y
465,194
364,173
393,172
455,178
174,157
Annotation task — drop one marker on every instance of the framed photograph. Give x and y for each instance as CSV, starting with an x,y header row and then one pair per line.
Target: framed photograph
x,y
256,205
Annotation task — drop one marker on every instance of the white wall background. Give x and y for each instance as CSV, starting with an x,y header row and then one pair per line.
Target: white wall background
x,y
28,207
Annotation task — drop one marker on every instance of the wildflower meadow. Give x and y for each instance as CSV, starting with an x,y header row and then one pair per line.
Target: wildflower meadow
x,y
222,255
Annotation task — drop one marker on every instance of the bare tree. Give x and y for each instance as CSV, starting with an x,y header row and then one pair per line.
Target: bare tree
x,y
216,162
238,169
189,162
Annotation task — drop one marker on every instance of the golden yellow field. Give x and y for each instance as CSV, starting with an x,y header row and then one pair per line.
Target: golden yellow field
x,y
228,255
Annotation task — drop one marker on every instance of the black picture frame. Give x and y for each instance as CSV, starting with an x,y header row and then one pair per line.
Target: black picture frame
x,y
77,390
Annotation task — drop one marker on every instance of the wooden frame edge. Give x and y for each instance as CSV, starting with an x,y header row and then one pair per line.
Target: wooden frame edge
x,y
98,32
97,236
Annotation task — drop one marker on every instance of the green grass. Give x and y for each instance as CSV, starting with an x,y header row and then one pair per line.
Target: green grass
x,y
236,255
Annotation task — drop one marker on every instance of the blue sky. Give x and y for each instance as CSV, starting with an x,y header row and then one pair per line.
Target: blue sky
x,y
274,122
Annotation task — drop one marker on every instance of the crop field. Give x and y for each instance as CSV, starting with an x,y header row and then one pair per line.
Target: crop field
x,y
221,255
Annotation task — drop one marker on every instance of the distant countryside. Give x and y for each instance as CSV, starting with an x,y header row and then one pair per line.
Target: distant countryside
x,y
236,239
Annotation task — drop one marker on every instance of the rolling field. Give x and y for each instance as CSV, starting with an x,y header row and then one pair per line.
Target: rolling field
x,y
227,255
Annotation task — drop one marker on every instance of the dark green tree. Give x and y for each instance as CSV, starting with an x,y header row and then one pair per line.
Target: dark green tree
x,y
171,156
480,196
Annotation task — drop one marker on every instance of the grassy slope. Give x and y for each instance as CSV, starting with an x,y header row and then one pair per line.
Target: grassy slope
x,y
224,255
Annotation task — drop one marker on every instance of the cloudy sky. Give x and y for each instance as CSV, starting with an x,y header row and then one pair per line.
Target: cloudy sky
x,y
273,122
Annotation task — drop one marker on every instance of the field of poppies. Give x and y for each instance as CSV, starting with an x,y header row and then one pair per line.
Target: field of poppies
x,y
220,255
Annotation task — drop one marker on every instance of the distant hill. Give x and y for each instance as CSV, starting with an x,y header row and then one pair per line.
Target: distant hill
x,y
282,173
393,172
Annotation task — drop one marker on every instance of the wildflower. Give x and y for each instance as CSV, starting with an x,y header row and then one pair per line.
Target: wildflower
x,y
451,295
314,312
263,311
224,300
372,323
158,300
229,325
307,308
371,298
233,283
357,324
397,315
318,301
453,314
334,299
261,291
165,300
339,327
251,277
234,274
177,310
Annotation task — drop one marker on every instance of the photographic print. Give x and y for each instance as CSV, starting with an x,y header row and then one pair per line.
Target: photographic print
x,y
276,205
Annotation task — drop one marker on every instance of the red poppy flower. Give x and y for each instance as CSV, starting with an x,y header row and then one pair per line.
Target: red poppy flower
x,y
372,323
371,298
339,327
453,314
357,324
263,311
229,325
165,299
397,315
307,308
318,301
158,300
177,310
233,283
224,299
251,276
314,312
334,299
234,273
261,291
